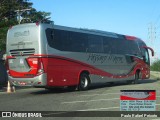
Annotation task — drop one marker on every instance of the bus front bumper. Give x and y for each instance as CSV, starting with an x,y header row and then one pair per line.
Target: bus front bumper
x,y
38,81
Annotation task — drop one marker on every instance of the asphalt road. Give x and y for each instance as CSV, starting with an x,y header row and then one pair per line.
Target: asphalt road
x,y
98,98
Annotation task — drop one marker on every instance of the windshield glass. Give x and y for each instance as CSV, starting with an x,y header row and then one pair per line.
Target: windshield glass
x,y
144,52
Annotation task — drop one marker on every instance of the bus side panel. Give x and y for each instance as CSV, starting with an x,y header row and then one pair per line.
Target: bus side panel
x,y
63,72
54,72
70,72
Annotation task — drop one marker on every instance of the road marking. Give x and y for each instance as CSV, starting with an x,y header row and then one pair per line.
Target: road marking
x,y
89,101
56,113
99,90
99,109
63,112
81,110
98,94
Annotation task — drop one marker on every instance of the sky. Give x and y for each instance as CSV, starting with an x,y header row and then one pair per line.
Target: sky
x,y
137,18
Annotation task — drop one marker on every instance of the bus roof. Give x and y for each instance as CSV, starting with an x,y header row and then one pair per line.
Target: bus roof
x,y
95,32
81,30
85,30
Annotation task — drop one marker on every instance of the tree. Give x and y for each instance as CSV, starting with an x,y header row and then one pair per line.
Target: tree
x,y
9,12
156,66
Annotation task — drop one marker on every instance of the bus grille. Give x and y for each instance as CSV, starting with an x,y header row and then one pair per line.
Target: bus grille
x,y
22,52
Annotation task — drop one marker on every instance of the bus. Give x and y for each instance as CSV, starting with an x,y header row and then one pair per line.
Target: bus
x,y
48,55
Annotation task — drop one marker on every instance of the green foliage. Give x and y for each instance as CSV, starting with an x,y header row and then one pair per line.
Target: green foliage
x,y
3,32
156,66
34,15
8,16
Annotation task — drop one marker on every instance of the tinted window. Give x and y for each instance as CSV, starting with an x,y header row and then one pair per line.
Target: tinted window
x,y
82,42
132,47
67,40
78,42
141,44
144,52
95,44
121,46
113,45
109,45
61,40
50,35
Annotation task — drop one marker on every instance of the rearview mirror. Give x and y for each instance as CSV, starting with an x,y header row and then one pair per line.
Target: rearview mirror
x,y
152,51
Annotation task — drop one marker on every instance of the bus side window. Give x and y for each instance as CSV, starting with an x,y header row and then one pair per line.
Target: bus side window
x,y
78,42
52,34
106,46
95,44
132,48
50,37
110,45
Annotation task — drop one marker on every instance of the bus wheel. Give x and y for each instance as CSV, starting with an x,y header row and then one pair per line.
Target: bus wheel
x,y
136,77
84,82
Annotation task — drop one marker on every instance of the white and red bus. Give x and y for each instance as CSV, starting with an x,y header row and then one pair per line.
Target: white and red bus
x,y
48,55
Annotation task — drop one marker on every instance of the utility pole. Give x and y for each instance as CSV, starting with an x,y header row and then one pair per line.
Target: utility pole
x,y
19,13
152,33
152,36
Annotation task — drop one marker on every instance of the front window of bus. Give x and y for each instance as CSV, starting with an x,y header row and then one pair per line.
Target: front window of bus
x,y
146,56
144,52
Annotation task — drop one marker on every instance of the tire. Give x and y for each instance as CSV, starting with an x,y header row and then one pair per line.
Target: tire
x,y
84,82
136,77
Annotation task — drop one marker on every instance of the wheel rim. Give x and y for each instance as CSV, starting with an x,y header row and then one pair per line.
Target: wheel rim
x,y
84,82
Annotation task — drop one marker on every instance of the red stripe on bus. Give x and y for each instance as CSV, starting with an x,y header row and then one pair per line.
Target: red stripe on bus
x,y
130,37
96,70
81,65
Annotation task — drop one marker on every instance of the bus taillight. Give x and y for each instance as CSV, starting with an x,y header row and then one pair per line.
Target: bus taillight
x,y
36,63
33,62
40,67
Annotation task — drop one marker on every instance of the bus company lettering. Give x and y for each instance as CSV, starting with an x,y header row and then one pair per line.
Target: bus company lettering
x,y
24,33
102,58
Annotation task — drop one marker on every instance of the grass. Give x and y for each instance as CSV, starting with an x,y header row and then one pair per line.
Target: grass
x,y
156,66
